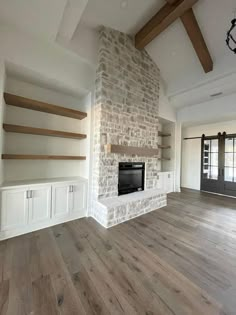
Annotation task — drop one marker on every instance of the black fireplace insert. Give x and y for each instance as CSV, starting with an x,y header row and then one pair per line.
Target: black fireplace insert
x,y
131,177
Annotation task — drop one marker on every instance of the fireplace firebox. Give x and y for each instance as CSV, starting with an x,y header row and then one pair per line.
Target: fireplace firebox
x,y
131,177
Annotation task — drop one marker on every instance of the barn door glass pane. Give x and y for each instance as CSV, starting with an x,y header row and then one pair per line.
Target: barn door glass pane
x,y
211,159
230,162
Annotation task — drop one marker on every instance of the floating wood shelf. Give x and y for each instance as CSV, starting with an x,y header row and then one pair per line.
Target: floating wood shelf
x,y
27,103
41,157
42,132
164,146
162,134
122,149
164,159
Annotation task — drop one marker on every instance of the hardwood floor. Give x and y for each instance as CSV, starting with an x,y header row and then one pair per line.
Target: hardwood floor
x,y
179,260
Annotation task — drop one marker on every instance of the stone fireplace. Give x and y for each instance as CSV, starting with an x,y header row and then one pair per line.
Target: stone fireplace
x,y
125,113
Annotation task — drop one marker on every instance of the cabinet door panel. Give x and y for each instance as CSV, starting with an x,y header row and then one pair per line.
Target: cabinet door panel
x,y
40,204
169,182
160,181
78,199
14,212
60,204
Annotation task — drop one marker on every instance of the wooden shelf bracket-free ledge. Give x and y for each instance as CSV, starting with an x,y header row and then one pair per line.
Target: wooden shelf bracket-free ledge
x,y
161,146
163,134
122,149
41,157
27,103
42,132
164,159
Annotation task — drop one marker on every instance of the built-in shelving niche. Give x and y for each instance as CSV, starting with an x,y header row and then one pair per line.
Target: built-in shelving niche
x,y
167,145
18,101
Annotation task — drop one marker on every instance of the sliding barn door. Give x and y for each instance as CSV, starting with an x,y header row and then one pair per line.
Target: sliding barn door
x,y
229,164
210,173
218,169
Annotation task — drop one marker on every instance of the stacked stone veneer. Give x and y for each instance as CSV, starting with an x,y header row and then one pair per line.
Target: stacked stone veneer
x,y
125,113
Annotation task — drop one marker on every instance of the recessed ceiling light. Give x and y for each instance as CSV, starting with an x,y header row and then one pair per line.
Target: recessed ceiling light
x,y
124,4
216,94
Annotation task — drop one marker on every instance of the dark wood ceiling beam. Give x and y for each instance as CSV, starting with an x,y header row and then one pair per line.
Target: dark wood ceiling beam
x,y
191,25
164,18
171,1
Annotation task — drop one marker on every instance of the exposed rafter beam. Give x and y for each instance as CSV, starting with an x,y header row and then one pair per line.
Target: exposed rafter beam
x,y
171,1
164,18
196,37
191,25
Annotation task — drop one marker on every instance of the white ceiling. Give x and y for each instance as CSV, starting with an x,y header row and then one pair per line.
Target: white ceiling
x,y
74,24
111,14
40,17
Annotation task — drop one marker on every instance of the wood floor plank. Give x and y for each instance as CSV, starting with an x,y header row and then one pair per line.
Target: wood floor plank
x,y
20,288
4,297
65,294
115,301
43,297
3,246
89,296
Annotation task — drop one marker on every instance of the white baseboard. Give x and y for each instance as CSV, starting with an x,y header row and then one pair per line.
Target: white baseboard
x,y
35,227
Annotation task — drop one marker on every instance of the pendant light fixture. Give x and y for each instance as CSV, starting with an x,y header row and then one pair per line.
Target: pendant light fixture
x,y
231,35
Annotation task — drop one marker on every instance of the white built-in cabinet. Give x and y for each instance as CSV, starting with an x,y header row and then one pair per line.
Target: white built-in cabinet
x,y
166,181
78,200
68,198
60,200
25,208
39,199
15,207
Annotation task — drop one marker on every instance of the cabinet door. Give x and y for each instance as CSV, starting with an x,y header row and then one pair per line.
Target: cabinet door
x,y
15,206
78,199
60,200
169,182
160,178
39,203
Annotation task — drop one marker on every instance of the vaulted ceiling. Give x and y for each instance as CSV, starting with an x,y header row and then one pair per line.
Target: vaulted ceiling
x,y
74,23
41,17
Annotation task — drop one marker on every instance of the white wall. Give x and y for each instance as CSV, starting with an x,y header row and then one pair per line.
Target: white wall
x,y
2,112
166,110
33,144
46,60
85,145
191,150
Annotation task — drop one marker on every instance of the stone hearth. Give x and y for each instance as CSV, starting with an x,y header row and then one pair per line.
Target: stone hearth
x,y
113,211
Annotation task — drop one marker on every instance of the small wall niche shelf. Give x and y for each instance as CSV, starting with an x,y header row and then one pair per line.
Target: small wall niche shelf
x,y
122,149
163,134
164,146
42,132
41,157
27,103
